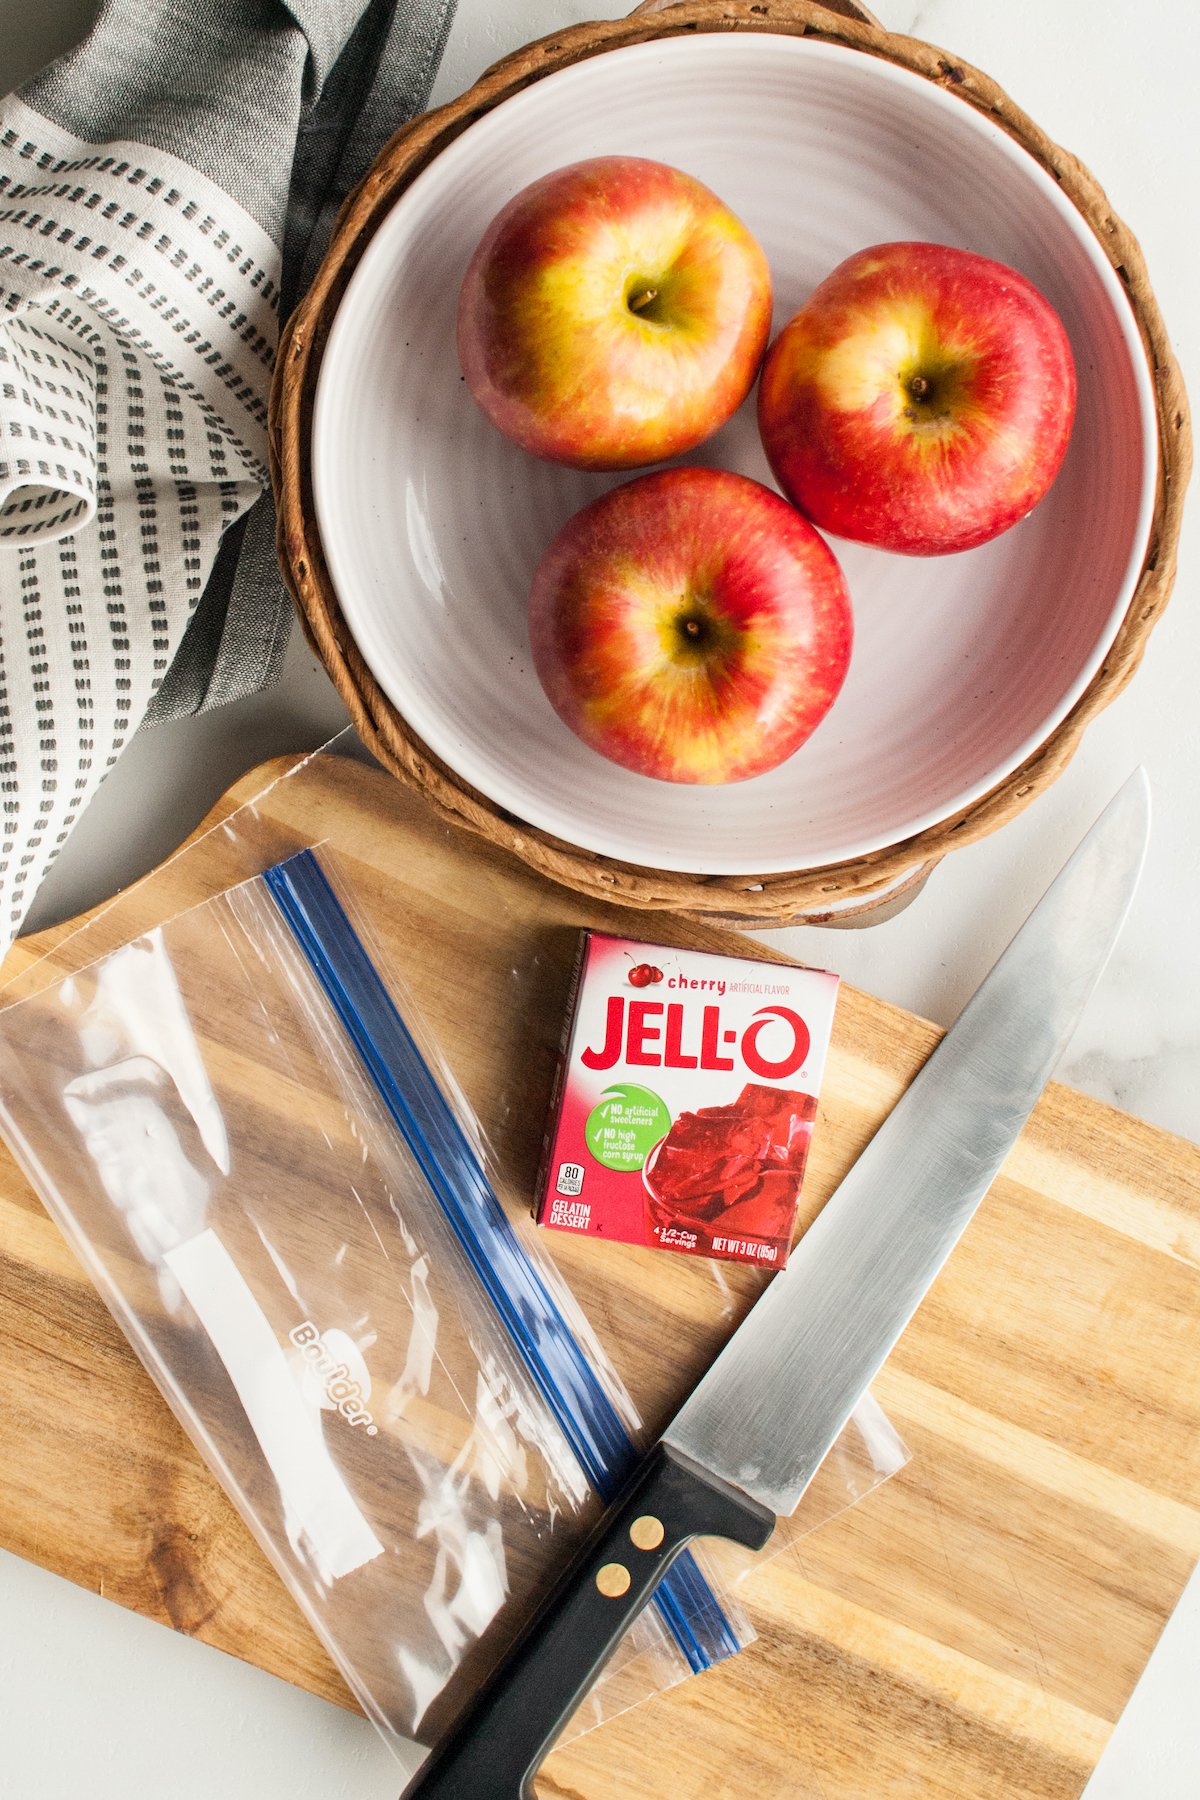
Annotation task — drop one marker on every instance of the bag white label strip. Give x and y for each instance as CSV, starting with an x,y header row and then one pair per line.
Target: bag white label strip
x,y
318,1505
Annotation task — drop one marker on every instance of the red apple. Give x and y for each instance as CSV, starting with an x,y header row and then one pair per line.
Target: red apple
x,y
921,400
614,314
690,625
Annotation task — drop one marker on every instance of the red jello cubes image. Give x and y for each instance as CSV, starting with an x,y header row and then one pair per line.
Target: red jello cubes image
x,y
724,1175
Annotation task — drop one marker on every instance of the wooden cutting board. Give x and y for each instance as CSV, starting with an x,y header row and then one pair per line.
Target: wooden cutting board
x,y
971,1631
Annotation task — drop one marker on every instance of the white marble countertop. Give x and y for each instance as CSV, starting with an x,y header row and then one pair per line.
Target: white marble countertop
x,y
94,1698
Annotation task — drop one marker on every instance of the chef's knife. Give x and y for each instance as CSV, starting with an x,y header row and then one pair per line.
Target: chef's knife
x,y
748,1441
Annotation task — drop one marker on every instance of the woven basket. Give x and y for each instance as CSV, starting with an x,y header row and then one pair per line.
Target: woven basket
x,y
857,891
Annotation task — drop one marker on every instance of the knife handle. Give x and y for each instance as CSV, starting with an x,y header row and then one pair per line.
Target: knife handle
x,y
498,1745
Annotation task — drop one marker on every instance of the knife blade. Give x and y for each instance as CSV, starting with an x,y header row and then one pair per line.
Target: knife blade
x,y
748,1440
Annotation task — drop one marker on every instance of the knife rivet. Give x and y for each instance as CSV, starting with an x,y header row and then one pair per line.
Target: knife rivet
x,y
613,1580
647,1532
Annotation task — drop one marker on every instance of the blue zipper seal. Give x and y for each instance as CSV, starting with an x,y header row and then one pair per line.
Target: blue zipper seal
x,y
552,1355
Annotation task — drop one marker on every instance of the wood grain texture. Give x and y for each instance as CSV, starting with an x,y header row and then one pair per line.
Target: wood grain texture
x,y
863,883
970,1632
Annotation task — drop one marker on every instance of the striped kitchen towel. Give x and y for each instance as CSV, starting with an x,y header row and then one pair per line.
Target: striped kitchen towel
x,y
166,190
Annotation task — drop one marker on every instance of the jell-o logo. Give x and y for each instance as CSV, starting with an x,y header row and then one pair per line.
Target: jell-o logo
x,y
653,1034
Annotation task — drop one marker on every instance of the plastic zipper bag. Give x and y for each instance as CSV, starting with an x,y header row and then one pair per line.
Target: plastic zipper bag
x,y
198,1115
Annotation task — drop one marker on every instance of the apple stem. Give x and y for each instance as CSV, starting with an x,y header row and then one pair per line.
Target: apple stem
x,y
918,387
692,628
639,301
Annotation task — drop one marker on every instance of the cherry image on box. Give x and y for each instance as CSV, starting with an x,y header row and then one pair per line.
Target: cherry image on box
x,y
685,1099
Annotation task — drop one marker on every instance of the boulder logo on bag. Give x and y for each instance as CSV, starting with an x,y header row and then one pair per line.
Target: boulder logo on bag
x,y
340,1379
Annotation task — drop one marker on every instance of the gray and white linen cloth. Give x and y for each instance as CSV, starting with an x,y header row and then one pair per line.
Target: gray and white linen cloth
x,y
166,190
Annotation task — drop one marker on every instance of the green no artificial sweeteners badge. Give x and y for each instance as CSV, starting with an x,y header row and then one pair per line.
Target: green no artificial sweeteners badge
x,y
625,1126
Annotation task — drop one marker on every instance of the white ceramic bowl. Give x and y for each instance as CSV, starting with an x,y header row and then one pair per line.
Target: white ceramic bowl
x,y
433,523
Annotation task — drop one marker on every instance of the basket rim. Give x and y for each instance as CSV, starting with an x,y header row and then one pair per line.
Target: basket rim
x,y
750,899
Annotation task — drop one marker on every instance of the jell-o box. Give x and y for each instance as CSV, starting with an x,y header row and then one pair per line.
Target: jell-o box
x,y
685,1099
